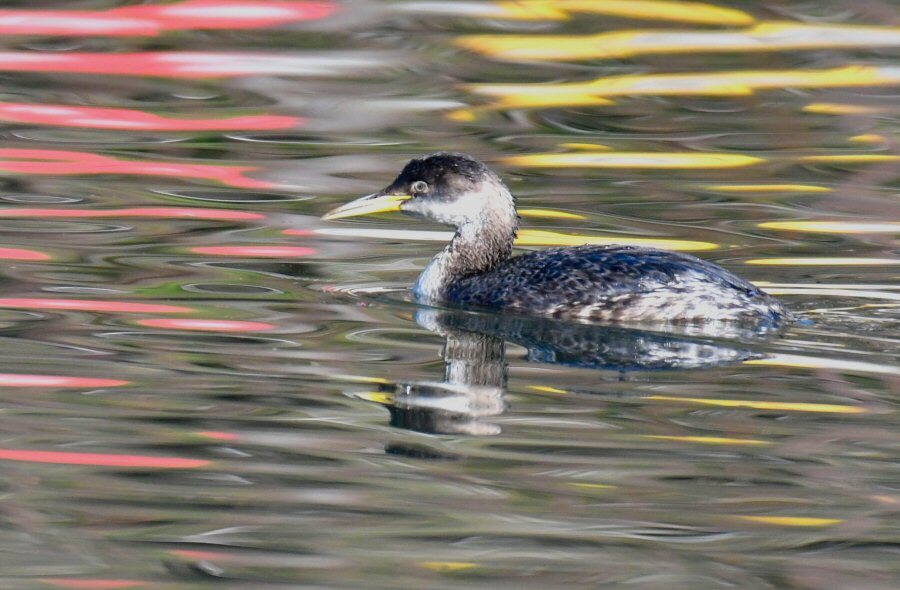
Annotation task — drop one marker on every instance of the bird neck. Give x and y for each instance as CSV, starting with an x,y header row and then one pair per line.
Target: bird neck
x,y
477,247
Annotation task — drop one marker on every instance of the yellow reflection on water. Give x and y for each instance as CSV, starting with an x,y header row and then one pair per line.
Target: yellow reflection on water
x,y
738,83
767,36
868,138
831,364
835,227
819,291
665,10
594,147
798,521
461,115
547,389
711,440
839,286
548,213
832,108
766,188
376,396
860,291
448,566
536,237
824,261
526,237
362,379
651,160
762,405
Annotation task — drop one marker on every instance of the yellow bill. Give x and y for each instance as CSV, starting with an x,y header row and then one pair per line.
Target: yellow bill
x,y
368,205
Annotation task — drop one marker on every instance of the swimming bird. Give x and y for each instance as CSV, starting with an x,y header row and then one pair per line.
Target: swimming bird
x,y
613,283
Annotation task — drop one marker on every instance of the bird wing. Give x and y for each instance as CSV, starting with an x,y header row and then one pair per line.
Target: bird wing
x,y
591,276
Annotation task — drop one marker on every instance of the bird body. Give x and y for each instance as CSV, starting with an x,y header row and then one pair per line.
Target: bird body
x,y
609,283
614,283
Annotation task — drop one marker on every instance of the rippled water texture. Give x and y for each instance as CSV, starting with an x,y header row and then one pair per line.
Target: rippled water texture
x,y
203,384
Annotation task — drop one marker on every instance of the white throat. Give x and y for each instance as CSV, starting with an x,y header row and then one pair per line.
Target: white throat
x,y
483,239
430,285
433,281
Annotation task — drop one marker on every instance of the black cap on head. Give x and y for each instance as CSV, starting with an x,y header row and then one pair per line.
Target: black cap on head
x,y
446,174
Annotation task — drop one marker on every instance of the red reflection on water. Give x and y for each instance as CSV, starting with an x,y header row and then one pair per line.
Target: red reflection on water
x,y
100,459
171,64
135,120
20,380
90,305
154,19
91,583
219,435
206,325
64,162
20,254
256,251
152,212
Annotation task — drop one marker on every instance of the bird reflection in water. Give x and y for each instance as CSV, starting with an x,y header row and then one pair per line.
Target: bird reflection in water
x,y
475,372
475,368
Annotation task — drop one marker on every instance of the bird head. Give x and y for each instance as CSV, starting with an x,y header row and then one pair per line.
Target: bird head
x,y
448,188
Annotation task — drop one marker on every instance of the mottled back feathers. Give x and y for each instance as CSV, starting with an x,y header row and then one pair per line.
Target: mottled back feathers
x,y
620,283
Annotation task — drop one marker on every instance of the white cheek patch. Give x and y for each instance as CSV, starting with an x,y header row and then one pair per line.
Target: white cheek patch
x,y
469,207
440,211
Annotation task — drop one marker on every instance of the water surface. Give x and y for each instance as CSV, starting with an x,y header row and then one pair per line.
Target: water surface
x,y
203,384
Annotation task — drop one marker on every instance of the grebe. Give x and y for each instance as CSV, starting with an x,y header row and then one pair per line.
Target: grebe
x,y
605,283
